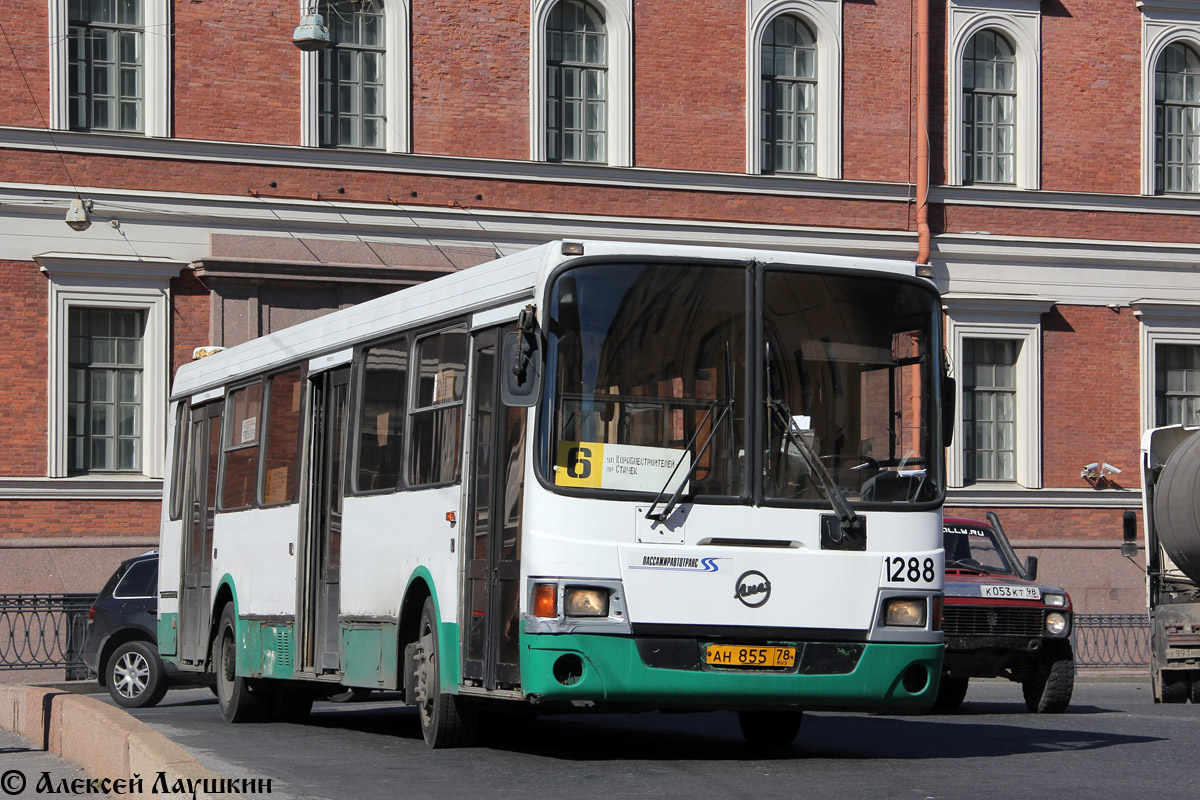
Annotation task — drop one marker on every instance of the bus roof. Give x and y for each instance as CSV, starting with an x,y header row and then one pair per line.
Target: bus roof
x,y
494,284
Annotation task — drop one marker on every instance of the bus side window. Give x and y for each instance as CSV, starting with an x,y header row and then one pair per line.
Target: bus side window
x,y
281,445
437,414
381,422
240,478
179,461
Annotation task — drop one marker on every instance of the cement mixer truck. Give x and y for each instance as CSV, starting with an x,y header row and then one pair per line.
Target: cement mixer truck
x,y
1171,512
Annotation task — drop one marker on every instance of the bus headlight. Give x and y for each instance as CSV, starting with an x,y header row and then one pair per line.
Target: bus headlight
x,y
1056,623
905,612
1054,599
584,601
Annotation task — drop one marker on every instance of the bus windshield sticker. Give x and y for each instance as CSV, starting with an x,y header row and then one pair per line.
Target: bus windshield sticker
x,y
249,429
594,465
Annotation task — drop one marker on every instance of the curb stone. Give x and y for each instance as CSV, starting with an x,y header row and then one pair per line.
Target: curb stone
x,y
102,739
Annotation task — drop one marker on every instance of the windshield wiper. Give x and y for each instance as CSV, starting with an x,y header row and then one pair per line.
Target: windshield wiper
x,y
665,514
850,520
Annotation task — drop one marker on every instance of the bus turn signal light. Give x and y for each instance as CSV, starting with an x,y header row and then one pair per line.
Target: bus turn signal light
x,y
545,600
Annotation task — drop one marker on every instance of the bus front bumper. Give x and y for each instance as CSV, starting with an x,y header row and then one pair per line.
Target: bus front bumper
x,y
583,669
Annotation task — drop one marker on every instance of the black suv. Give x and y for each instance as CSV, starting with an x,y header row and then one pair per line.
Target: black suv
x,y
121,647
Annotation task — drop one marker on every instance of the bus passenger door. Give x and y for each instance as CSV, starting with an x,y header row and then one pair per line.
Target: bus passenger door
x,y
496,489
195,599
323,559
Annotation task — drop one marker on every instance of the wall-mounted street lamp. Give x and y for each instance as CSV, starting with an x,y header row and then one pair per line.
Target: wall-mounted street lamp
x,y
77,214
311,34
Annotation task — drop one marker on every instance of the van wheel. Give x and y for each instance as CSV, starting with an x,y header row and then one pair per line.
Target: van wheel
x,y
135,676
447,720
763,728
951,693
233,692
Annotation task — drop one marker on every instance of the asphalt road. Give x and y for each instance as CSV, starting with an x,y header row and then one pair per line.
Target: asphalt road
x,y
1113,742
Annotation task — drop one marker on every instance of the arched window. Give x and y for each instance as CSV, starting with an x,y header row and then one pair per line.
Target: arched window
x,y
789,97
1177,120
989,109
576,83
350,81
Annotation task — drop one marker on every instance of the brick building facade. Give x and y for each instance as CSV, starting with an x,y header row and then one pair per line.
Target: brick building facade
x,y
229,195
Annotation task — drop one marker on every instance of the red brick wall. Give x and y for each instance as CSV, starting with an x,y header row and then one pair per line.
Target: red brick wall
x,y
23,329
1090,394
690,86
190,319
879,82
1023,524
471,97
1091,100
237,73
24,65
79,518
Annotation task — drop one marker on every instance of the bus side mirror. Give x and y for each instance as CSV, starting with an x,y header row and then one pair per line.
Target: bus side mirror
x,y
1129,546
1031,567
521,368
949,400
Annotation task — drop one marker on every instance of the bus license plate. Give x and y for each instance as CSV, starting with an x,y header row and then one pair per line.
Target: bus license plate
x,y
736,655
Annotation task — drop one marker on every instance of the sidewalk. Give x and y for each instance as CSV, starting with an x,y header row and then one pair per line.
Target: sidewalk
x,y
24,763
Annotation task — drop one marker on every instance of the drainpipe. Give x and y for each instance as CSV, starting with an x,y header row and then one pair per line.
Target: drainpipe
x,y
923,237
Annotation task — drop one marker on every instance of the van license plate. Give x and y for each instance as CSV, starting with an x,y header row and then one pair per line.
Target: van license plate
x,y
736,655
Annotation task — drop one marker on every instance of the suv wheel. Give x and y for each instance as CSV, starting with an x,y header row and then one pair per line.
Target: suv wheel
x,y
135,676
1049,690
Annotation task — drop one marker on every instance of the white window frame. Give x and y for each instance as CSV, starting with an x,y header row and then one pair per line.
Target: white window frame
x,y
1162,322
825,18
92,281
397,82
156,71
1021,22
1001,318
618,29
1164,23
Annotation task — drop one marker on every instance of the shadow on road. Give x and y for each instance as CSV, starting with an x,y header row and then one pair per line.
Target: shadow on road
x,y
709,736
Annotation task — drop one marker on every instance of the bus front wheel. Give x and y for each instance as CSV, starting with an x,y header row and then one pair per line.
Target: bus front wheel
x,y
447,720
770,727
233,692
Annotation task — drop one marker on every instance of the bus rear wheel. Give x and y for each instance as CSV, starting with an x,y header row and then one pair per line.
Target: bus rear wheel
x,y
447,720
770,728
233,692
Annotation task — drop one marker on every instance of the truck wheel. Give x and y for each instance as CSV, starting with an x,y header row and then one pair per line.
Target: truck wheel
x,y
446,719
951,693
1049,690
1196,687
233,692
770,728
1174,687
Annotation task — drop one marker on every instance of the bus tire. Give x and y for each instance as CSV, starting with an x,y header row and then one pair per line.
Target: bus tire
x,y
291,705
233,692
770,727
951,692
446,720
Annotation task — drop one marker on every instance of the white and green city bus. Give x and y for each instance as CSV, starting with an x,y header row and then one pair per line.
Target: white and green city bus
x,y
589,475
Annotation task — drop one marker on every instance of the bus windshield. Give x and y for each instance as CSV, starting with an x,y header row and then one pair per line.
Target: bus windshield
x,y
647,385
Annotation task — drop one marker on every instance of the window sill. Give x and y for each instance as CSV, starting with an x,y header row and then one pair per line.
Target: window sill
x,y
82,487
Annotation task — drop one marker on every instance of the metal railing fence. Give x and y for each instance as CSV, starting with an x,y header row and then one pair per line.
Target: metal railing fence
x,y
44,631
1111,640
